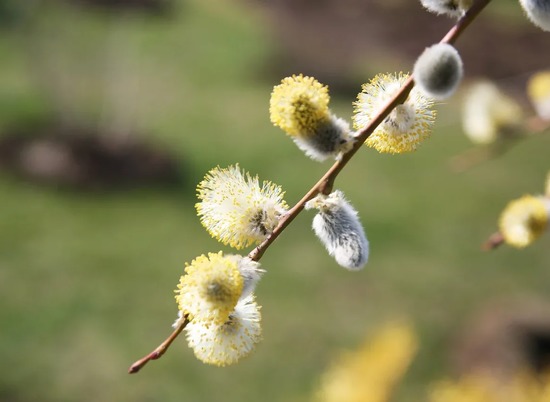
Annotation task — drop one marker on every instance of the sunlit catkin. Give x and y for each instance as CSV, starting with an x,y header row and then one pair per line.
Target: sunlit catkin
x,y
438,71
524,220
226,343
338,227
299,106
210,288
236,209
538,90
406,126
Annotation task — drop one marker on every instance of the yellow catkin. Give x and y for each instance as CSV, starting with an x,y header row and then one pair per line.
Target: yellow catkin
x,y
408,125
523,221
235,209
371,372
299,105
210,288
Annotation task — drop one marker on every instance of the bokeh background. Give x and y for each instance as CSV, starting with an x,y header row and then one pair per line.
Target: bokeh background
x,y
89,260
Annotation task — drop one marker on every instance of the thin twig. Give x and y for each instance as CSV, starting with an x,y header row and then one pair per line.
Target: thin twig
x,y
537,125
160,350
494,241
324,185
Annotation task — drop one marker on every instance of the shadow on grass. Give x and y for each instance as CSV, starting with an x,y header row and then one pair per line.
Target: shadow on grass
x,y
83,159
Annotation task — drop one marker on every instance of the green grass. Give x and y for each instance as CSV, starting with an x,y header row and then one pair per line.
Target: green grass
x,y
87,279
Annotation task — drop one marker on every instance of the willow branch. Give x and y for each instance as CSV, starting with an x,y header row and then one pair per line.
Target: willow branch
x,y
537,125
160,350
494,241
325,184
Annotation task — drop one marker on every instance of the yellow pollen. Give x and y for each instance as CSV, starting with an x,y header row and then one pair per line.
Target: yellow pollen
x,y
523,221
299,105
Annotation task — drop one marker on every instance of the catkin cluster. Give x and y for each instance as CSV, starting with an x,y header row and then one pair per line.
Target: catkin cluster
x,y
215,296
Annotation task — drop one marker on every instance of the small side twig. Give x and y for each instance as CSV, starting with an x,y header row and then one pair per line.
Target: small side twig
x,y
493,242
160,350
537,125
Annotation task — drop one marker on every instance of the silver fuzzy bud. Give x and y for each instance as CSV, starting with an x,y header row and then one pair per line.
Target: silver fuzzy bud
x,y
452,8
438,71
331,139
338,227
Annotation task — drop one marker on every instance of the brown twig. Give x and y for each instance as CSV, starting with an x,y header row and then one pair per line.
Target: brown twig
x,y
537,125
325,184
160,350
494,241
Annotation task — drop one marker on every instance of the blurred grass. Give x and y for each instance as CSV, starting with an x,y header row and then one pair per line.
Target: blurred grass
x,y
86,281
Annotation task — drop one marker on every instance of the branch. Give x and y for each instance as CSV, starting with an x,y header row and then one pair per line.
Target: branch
x,y
325,184
494,241
537,125
160,350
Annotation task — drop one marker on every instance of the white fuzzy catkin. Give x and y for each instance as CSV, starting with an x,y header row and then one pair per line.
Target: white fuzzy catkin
x,y
538,11
225,344
489,114
330,140
438,71
338,227
452,8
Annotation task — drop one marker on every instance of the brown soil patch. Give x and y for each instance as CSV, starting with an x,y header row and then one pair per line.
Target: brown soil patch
x,y
153,7
505,338
341,41
84,159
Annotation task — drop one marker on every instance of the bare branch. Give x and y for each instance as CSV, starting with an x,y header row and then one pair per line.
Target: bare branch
x,y
494,241
160,350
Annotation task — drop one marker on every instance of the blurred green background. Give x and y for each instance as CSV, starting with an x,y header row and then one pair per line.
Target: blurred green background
x,y
87,278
